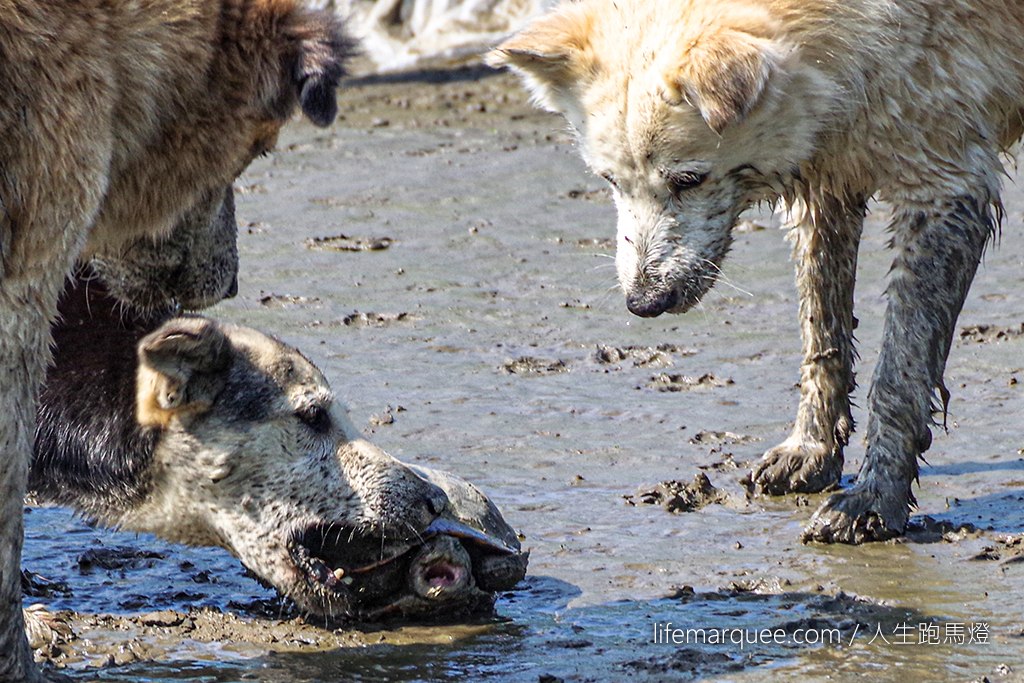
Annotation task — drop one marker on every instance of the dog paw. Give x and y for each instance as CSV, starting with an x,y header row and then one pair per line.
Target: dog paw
x,y
796,467
858,515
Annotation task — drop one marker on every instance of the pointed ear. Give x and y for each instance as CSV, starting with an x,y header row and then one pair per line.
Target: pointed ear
x,y
723,75
550,54
183,366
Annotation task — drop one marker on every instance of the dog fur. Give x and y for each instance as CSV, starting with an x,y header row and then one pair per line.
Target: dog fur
x,y
118,121
694,110
212,434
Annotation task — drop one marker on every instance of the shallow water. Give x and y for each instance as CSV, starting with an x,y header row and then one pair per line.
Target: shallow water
x,y
498,252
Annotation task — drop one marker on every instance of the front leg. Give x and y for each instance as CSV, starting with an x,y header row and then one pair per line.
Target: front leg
x,y
24,352
825,250
939,250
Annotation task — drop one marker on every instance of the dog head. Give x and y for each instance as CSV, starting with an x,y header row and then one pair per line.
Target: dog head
x,y
255,455
192,268
203,95
689,109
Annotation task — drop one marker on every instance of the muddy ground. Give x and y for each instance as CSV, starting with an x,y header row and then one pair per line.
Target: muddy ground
x,y
443,255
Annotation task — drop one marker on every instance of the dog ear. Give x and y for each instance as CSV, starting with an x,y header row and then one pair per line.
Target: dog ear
x,y
324,47
183,366
723,76
550,54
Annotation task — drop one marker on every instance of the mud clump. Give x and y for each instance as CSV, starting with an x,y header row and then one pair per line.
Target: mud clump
x,y
75,640
1005,550
925,529
121,557
708,437
679,496
35,586
359,319
642,356
346,243
385,417
666,382
288,301
693,661
982,334
528,366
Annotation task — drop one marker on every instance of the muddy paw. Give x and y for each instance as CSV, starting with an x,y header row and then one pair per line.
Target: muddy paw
x,y
796,467
856,516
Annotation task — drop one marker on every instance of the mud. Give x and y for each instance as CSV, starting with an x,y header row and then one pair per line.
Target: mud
x,y
661,356
346,243
679,496
493,320
531,367
983,334
666,382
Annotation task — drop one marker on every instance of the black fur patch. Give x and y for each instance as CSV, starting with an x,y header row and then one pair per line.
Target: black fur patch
x,y
90,451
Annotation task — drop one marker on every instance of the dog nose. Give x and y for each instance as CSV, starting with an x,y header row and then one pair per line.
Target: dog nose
x,y
646,303
232,289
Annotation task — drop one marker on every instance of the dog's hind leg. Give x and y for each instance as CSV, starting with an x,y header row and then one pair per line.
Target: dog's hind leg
x,y
939,247
825,249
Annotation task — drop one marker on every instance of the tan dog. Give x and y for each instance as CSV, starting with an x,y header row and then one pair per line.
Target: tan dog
x,y
118,121
693,110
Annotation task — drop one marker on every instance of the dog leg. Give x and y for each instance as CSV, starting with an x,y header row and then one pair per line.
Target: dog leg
x,y
825,249
50,187
24,340
939,250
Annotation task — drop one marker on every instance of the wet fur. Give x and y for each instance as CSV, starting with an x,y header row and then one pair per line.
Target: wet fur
x,y
120,120
242,444
697,109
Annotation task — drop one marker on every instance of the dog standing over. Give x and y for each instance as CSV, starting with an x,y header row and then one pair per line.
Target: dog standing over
x,y
118,121
694,110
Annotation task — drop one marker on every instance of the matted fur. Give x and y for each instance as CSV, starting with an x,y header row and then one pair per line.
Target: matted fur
x,y
117,120
694,110
212,434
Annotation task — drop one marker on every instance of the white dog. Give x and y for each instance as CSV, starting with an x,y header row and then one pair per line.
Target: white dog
x,y
693,110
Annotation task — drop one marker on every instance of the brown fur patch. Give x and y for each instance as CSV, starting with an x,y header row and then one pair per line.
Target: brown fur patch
x,y
116,119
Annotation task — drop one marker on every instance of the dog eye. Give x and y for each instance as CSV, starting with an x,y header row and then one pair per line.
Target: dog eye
x,y
316,418
680,181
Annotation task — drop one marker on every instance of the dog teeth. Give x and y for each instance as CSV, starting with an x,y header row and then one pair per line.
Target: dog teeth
x,y
320,571
339,573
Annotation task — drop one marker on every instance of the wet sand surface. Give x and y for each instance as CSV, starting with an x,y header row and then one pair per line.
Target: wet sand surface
x,y
443,255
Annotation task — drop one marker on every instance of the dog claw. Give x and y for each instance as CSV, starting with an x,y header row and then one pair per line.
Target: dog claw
x,y
856,516
805,467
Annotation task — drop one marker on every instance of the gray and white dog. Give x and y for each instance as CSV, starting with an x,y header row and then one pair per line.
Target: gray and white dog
x,y
211,434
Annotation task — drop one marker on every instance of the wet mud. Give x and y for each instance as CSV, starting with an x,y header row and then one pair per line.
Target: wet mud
x,y
442,251
680,496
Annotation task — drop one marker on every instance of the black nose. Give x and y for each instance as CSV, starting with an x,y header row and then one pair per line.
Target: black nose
x,y
650,304
233,289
